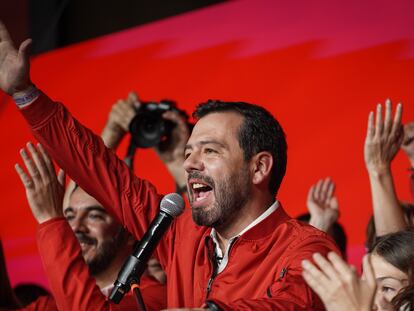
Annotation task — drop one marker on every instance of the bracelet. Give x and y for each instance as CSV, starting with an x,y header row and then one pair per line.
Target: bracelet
x,y
29,95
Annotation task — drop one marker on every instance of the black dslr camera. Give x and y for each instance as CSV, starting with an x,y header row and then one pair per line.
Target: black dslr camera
x,y
148,128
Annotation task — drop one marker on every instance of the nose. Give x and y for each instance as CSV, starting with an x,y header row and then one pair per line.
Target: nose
x,y
193,162
78,225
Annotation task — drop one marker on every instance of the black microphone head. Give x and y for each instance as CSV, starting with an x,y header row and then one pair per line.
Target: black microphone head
x,y
172,204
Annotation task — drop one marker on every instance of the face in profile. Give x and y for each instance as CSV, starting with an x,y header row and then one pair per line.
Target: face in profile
x,y
390,280
218,176
99,235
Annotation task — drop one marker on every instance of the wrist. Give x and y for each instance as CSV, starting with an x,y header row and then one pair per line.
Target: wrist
x,y
26,95
379,170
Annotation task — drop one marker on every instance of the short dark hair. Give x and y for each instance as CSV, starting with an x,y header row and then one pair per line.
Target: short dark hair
x,y
260,131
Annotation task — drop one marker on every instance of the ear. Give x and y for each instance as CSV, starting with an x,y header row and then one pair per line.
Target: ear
x,y
262,164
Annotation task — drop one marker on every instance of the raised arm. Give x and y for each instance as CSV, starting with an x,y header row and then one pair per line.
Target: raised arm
x,y
322,204
72,285
74,147
383,140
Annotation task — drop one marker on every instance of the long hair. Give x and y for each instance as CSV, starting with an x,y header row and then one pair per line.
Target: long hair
x,y
398,250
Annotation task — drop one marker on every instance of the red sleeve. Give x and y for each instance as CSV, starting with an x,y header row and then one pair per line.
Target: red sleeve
x,y
72,286
97,169
412,183
290,291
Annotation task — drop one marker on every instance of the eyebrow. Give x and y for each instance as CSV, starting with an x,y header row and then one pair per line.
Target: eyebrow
x,y
390,277
88,209
205,142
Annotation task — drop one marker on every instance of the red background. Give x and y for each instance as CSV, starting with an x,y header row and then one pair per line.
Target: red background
x,y
319,66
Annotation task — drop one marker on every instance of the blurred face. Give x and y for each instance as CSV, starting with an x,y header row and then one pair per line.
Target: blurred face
x,y
99,235
390,281
218,176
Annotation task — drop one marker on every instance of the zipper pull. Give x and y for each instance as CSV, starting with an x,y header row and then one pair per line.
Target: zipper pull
x,y
210,282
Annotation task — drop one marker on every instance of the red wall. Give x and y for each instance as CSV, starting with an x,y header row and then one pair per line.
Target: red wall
x,y
319,67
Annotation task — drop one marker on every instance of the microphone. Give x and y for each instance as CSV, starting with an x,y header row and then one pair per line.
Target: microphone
x,y
171,205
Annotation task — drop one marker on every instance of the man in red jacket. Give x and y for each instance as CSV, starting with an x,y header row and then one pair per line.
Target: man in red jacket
x,y
236,248
94,245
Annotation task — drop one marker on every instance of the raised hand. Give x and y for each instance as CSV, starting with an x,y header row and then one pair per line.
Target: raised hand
x,y
408,142
14,64
44,190
322,204
384,138
338,285
121,115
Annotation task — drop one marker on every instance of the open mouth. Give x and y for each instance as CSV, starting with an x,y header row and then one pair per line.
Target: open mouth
x,y
201,191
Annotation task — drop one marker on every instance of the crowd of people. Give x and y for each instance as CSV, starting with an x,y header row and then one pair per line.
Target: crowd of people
x,y
235,248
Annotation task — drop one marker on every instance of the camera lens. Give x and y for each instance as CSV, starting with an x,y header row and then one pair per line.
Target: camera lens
x,y
147,129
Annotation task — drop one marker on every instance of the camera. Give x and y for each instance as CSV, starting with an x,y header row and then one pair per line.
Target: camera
x,y
148,128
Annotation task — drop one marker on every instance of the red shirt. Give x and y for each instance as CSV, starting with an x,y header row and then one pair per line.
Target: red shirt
x,y
264,267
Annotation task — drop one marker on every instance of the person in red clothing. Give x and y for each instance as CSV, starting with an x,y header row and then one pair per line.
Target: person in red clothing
x,y
102,243
236,248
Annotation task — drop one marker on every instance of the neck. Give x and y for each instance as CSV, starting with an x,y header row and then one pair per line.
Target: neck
x,y
247,214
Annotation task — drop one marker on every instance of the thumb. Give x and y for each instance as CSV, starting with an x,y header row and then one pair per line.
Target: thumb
x,y
24,49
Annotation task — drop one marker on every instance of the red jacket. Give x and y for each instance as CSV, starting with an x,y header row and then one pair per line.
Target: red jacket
x,y
264,267
72,286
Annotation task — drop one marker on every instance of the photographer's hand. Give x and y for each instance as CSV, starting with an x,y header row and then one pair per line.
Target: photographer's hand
x,y
123,111
173,153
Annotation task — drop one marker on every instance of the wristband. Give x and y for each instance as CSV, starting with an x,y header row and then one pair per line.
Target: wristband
x,y
31,94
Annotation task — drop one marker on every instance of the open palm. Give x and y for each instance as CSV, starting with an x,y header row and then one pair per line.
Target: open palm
x,y
14,64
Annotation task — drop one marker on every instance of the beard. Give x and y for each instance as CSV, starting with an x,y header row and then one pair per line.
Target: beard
x,y
230,195
105,252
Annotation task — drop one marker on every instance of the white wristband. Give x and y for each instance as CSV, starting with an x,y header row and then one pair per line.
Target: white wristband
x,y
29,95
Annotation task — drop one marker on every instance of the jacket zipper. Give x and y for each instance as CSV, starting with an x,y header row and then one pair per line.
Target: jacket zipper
x,y
215,269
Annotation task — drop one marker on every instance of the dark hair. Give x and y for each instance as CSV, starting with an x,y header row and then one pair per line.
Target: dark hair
x,y
405,298
7,297
260,131
397,249
337,232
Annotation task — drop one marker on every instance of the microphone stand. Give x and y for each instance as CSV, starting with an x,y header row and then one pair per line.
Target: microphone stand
x,y
138,297
129,160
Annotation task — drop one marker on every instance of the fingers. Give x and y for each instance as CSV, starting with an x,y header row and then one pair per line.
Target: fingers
x,y
388,116
311,194
4,33
325,266
31,166
314,277
378,123
26,180
368,271
122,114
38,161
370,127
396,126
324,194
133,99
344,271
318,189
48,162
